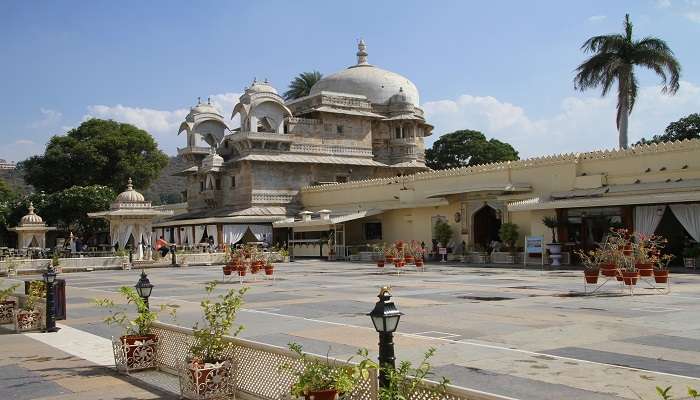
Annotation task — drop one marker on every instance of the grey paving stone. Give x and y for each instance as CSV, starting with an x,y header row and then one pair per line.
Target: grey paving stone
x,y
320,347
508,385
668,342
626,360
18,383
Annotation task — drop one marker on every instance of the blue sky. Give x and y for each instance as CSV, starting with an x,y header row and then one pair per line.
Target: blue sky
x,y
502,67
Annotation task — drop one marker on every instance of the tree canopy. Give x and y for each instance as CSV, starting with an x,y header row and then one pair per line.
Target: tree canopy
x,y
613,60
466,147
301,85
98,152
685,128
66,209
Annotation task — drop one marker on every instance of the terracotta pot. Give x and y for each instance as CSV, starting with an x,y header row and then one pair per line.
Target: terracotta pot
x,y
591,275
661,276
419,263
630,278
389,259
627,250
207,378
269,270
241,271
321,395
227,270
608,269
380,263
409,259
141,354
645,269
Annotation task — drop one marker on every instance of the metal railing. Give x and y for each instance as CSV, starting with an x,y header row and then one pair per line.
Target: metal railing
x,y
264,371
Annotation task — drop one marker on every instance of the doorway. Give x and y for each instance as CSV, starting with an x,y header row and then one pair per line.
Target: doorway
x,y
678,238
486,227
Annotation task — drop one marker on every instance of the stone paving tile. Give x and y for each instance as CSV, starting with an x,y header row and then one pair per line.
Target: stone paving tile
x,y
320,347
508,385
626,360
19,383
669,342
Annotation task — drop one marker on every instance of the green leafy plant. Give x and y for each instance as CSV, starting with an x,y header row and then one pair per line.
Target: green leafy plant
x,y
405,380
140,324
318,375
218,316
7,292
55,261
665,393
551,223
442,232
509,234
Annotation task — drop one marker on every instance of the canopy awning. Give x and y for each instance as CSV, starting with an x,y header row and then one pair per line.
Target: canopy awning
x,y
603,201
497,188
320,224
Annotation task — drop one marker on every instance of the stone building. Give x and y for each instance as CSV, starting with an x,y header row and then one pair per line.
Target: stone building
x,y
362,122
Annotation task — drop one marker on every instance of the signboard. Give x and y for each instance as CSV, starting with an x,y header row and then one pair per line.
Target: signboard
x,y
442,250
534,244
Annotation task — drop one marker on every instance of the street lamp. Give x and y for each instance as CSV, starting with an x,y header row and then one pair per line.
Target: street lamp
x,y
144,287
49,280
385,317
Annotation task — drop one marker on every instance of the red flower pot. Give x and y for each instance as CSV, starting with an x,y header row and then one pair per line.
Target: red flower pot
x,y
380,263
141,352
627,250
409,259
228,270
591,276
645,269
241,271
630,278
389,259
419,263
661,276
321,395
608,269
269,270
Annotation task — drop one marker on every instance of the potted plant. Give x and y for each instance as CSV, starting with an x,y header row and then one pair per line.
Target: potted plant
x,y
509,235
284,253
690,256
230,265
661,268
552,223
207,372
389,253
135,349
405,381
442,232
56,263
646,250
327,380
591,263
7,306
269,263
28,317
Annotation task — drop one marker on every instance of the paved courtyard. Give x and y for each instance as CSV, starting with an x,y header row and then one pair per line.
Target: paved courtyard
x,y
521,333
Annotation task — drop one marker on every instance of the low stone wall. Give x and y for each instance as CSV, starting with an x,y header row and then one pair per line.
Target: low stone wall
x,y
31,266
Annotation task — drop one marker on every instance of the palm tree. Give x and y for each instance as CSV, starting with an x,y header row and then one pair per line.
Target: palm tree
x,y
301,85
614,58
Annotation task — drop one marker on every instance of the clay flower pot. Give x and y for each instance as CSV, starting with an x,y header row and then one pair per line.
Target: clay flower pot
x,y
140,351
645,269
608,270
630,278
269,269
208,380
409,259
661,276
321,395
389,259
380,263
419,263
591,275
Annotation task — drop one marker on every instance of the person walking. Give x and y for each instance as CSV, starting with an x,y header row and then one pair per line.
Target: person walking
x,y
162,246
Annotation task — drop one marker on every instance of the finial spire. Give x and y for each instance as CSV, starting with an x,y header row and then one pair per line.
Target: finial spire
x,y
209,100
129,186
361,53
31,207
199,100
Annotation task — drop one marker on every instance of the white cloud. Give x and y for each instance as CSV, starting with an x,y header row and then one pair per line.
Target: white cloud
x,y
663,3
48,119
162,124
597,18
693,16
24,141
582,123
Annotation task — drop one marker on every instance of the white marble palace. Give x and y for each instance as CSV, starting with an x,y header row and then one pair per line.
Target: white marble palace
x,y
362,122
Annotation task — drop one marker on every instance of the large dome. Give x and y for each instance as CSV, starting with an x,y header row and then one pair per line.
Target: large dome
x,y
377,84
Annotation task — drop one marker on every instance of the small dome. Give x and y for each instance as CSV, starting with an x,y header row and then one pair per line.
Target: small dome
x,y
130,195
377,84
261,87
203,108
31,218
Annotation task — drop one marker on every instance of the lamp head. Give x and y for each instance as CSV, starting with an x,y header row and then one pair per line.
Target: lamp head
x,y
385,316
144,286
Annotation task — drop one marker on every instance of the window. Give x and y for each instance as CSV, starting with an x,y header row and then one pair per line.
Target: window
x,y
373,231
341,178
339,129
233,181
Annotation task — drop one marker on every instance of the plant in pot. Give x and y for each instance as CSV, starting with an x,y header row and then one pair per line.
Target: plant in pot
x,y
442,232
405,381
690,256
29,317
230,265
136,348
269,263
646,251
552,223
7,306
389,253
418,253
207,372
378,248
661,268
509,235
591,261
284,254
410,250
327,379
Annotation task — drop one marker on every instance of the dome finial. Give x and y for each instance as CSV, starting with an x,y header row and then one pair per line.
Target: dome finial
x,y
129,186
361,53
209,100
31,207
199,100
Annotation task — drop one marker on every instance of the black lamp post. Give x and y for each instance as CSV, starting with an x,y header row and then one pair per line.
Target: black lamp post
x,y
49,279
173,257
144,287
385,317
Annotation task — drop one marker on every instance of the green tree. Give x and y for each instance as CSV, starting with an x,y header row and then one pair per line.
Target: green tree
x,y
467,147
301,85
685,128
7,197
98,152
613,60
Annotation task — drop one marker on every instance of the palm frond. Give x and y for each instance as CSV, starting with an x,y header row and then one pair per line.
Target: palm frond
x,y
301,85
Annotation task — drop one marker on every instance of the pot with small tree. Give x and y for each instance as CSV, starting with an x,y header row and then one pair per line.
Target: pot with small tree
x,y
552,223
7,305
442,233
407,382
208,369
509,235
661,268
269,263
591,263
646,253
29,317
327,379
136,348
